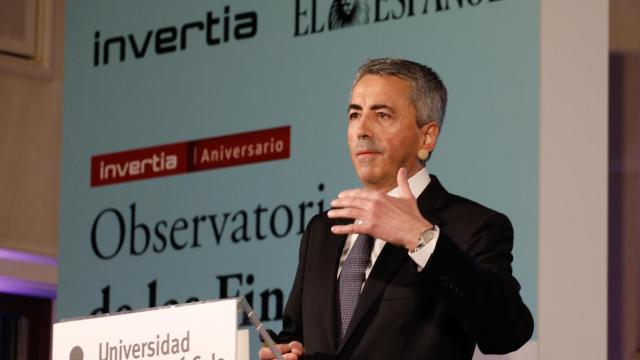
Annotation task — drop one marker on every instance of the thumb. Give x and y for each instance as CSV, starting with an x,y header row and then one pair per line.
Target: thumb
x,y
403,184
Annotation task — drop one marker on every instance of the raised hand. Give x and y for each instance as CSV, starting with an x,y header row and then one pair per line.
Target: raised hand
x,y
394,220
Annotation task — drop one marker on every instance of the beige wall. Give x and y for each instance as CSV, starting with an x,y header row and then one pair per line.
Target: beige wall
x,y
30,120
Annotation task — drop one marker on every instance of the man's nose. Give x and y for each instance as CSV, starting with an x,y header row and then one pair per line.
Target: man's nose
x,y
364,126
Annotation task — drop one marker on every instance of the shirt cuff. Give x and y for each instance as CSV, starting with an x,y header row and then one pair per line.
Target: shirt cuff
x,y
421,257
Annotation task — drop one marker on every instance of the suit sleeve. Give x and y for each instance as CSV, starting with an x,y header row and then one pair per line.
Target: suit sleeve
x,y
478,287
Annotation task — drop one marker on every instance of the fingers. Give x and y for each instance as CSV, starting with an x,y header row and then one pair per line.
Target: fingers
x,y
358,198
346,229
355,204
404,191
351,202
290,351
266,353
296,347
350,192
350,213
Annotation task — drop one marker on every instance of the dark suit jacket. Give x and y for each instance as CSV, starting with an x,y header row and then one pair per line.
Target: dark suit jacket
x,y
466,294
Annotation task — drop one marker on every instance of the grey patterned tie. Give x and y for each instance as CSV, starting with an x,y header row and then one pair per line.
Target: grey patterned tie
x,y
351,279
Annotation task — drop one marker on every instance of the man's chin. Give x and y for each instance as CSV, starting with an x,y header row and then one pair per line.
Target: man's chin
x,y
370,178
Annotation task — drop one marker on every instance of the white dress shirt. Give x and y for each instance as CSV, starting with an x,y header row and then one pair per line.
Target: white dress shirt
x,y
417,183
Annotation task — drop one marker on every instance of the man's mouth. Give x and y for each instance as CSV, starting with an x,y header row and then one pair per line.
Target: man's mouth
x,y
366,153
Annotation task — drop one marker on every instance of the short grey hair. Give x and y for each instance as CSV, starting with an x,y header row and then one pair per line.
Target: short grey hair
x,y
428,93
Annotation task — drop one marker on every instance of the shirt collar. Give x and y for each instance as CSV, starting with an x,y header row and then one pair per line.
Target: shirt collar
x,y
417,183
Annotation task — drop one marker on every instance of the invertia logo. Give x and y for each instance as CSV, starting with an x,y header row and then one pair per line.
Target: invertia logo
x,y
313,16
195,155
214,30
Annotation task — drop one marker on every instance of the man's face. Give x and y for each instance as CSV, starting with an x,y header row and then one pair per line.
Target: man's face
x,y
383,135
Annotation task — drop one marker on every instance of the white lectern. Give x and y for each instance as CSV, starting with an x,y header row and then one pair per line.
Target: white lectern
x,y
205,330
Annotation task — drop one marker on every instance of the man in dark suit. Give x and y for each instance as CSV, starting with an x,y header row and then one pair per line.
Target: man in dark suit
x,y
401,268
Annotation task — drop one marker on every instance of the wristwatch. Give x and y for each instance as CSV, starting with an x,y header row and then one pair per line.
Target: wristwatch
x,y
424,238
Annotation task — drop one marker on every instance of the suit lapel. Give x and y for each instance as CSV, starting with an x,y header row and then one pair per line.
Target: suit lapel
x,y
431,199
390,260
327,303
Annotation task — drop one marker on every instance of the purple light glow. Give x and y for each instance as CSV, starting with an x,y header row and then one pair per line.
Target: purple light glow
x,y
20,256
10,285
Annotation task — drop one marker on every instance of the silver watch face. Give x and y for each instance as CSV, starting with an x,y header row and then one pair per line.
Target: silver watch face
x,y
428,235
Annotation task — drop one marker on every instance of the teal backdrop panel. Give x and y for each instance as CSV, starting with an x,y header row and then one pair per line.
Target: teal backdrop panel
x,y
144,74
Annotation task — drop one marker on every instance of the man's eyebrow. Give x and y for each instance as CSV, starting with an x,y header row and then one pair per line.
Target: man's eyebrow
x,y
372,107
382,106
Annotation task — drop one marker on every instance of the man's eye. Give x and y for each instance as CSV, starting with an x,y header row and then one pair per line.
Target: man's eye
x,y
354,116
383,115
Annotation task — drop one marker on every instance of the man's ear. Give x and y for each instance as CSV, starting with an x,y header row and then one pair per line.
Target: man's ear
x,y
429,136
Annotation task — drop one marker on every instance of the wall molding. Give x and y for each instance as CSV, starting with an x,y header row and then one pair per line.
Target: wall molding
x,y
41,65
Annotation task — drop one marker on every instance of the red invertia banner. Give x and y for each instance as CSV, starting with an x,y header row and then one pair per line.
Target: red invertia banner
x,y
195,155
